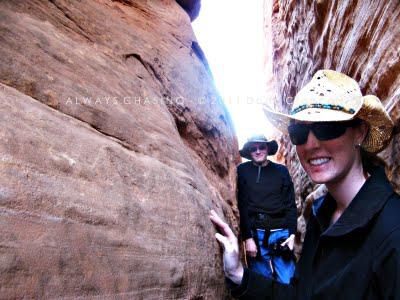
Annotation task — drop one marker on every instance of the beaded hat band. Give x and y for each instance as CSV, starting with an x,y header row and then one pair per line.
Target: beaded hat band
x,y
333,96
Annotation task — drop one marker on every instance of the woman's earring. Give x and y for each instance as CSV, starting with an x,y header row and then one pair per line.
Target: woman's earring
x,y
357,146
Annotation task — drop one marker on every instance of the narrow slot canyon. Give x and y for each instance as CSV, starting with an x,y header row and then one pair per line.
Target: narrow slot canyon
x,y
115,142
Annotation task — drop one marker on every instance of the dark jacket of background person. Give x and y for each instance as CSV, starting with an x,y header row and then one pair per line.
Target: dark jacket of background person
x,y
268,190
358,257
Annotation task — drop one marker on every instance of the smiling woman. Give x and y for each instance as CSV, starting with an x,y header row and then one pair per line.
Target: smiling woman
x,y
354,229
327,151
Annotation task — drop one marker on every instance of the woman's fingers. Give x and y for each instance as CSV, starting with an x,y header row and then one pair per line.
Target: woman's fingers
x,y
223,240
216,218
232,266
224,228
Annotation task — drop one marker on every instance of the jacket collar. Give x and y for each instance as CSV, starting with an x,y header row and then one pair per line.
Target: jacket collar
x,y
369,200
264,164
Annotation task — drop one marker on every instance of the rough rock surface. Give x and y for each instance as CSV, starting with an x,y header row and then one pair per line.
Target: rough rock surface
x,y
115,145
359,38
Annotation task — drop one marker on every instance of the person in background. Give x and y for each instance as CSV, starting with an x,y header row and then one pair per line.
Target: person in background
x,y
268,213
351,248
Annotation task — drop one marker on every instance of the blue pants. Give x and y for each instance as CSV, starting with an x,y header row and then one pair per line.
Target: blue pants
x,y
284,269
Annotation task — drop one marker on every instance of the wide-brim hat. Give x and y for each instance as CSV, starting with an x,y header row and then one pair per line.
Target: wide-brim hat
x,y
333,96
271,145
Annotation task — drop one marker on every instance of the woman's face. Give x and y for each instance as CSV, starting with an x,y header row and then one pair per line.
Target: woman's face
x,y
330,161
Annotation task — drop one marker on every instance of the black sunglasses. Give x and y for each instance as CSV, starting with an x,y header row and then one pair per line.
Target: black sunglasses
x,y
323,131
254,149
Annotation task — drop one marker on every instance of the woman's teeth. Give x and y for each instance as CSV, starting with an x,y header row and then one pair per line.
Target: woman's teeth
x,y
319,161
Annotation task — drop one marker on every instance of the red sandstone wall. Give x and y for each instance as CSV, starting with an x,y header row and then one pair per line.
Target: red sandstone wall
x,y
109,161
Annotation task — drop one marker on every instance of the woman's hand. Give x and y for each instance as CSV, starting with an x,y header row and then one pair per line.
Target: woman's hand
x,y
251,247
232,266
289,242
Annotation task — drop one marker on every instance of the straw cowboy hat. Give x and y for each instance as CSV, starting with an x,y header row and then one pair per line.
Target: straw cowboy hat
x,y
333,96
271,145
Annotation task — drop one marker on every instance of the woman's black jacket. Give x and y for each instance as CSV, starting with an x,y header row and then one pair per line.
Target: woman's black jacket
x,y
358,257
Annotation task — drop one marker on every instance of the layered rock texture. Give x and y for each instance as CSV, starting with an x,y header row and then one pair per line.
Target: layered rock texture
x,y
114,146
359,38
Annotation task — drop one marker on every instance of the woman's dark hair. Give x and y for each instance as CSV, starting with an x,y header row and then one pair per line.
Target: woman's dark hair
x,y
370,161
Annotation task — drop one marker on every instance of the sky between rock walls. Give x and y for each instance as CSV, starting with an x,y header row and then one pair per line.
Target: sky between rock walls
x,y
231,35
